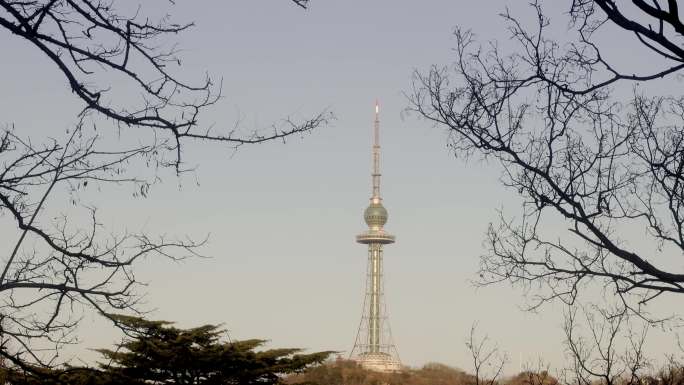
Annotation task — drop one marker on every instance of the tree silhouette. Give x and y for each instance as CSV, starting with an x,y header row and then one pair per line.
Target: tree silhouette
x,y
610,349
574,152
56,268
158,353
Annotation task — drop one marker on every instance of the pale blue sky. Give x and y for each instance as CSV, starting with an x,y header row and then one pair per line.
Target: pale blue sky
x,y
282,218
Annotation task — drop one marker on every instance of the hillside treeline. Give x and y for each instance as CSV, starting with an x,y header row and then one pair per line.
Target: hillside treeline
x,y
346,372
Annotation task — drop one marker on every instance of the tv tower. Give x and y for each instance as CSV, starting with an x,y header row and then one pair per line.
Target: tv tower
x,y
374,348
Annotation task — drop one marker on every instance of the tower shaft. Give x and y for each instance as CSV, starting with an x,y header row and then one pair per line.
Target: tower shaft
x,y
374,310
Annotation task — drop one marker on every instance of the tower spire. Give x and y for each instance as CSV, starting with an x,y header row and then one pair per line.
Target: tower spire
x,y
376,155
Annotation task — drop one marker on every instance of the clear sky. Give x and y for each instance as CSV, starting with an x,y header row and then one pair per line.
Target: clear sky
x,y
282,218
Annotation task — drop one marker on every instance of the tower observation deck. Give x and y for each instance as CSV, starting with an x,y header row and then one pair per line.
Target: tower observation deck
x,y
374,348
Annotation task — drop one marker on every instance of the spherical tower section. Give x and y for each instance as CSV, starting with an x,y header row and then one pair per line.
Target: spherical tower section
x,y
375,215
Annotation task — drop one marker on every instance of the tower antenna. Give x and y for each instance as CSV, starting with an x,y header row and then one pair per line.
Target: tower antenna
x,y
376,155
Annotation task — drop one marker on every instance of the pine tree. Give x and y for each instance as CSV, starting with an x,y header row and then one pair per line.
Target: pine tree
x,y
156,352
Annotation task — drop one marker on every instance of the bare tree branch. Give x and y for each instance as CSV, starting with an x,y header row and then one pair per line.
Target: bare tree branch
x,y
488,360
85,38
301,3
598,355
57,266
574,154
61,267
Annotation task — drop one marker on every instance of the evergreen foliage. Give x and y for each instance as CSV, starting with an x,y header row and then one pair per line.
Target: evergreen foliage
x,y
156,352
